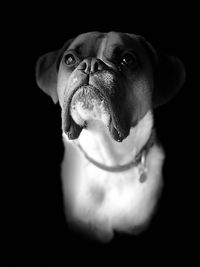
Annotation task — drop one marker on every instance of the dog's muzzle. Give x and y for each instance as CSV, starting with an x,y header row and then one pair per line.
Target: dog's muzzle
x,y
100,97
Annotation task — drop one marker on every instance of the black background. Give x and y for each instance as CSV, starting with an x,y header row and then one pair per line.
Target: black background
x,y
37,230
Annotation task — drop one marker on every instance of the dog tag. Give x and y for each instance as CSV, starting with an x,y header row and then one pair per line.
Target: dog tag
x,y
143,170
143,177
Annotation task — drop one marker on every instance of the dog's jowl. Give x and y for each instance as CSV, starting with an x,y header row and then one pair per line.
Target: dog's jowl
x,y
107,85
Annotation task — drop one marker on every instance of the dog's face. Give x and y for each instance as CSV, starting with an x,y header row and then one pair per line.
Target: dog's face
x,y
106,77
111,77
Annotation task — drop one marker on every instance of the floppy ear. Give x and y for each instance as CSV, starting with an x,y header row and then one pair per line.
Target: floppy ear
x,y
169,78
169,75
46,71
46,74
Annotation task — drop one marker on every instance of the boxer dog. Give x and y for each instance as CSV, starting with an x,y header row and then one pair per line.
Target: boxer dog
x,y
107,85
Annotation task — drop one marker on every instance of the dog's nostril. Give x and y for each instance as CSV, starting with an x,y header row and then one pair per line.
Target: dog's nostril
x,y
83,66
91,65
96,65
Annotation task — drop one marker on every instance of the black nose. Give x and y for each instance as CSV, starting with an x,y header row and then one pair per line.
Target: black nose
x,y
91,65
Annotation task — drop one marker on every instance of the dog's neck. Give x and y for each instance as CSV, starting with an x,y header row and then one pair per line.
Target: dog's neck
x,y
98,144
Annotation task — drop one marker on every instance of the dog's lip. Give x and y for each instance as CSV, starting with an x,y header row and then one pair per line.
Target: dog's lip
x,y
116,128
66,113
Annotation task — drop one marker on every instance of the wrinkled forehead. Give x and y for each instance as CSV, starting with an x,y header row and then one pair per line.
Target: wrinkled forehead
x,y
93,43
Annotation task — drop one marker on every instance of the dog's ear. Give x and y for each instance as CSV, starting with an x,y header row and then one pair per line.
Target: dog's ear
x,y
169,78
46,74
46,71
169,75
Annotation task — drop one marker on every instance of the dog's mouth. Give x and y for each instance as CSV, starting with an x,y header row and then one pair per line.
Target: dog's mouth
x,y
88,103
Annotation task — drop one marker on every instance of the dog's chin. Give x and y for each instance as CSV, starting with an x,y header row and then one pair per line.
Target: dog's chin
x,y
89,104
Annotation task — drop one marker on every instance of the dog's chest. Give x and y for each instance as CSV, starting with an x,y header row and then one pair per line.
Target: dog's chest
x,y
101,189
98,195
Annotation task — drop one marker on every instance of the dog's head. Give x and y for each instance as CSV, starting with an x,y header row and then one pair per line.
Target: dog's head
x,y
112,77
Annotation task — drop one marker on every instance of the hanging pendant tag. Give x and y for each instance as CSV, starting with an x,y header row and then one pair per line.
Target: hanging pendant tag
x,y
143,170
143,177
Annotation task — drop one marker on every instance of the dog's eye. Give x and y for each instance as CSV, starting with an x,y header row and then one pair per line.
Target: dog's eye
x,y
129,59
69,59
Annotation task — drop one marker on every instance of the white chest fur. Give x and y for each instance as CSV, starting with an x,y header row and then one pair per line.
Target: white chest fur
x,y
110,200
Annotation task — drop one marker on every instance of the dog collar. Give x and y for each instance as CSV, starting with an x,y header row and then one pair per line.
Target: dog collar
x,y
139,160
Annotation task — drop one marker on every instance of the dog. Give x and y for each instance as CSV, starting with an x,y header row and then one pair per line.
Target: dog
x,y
107,85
